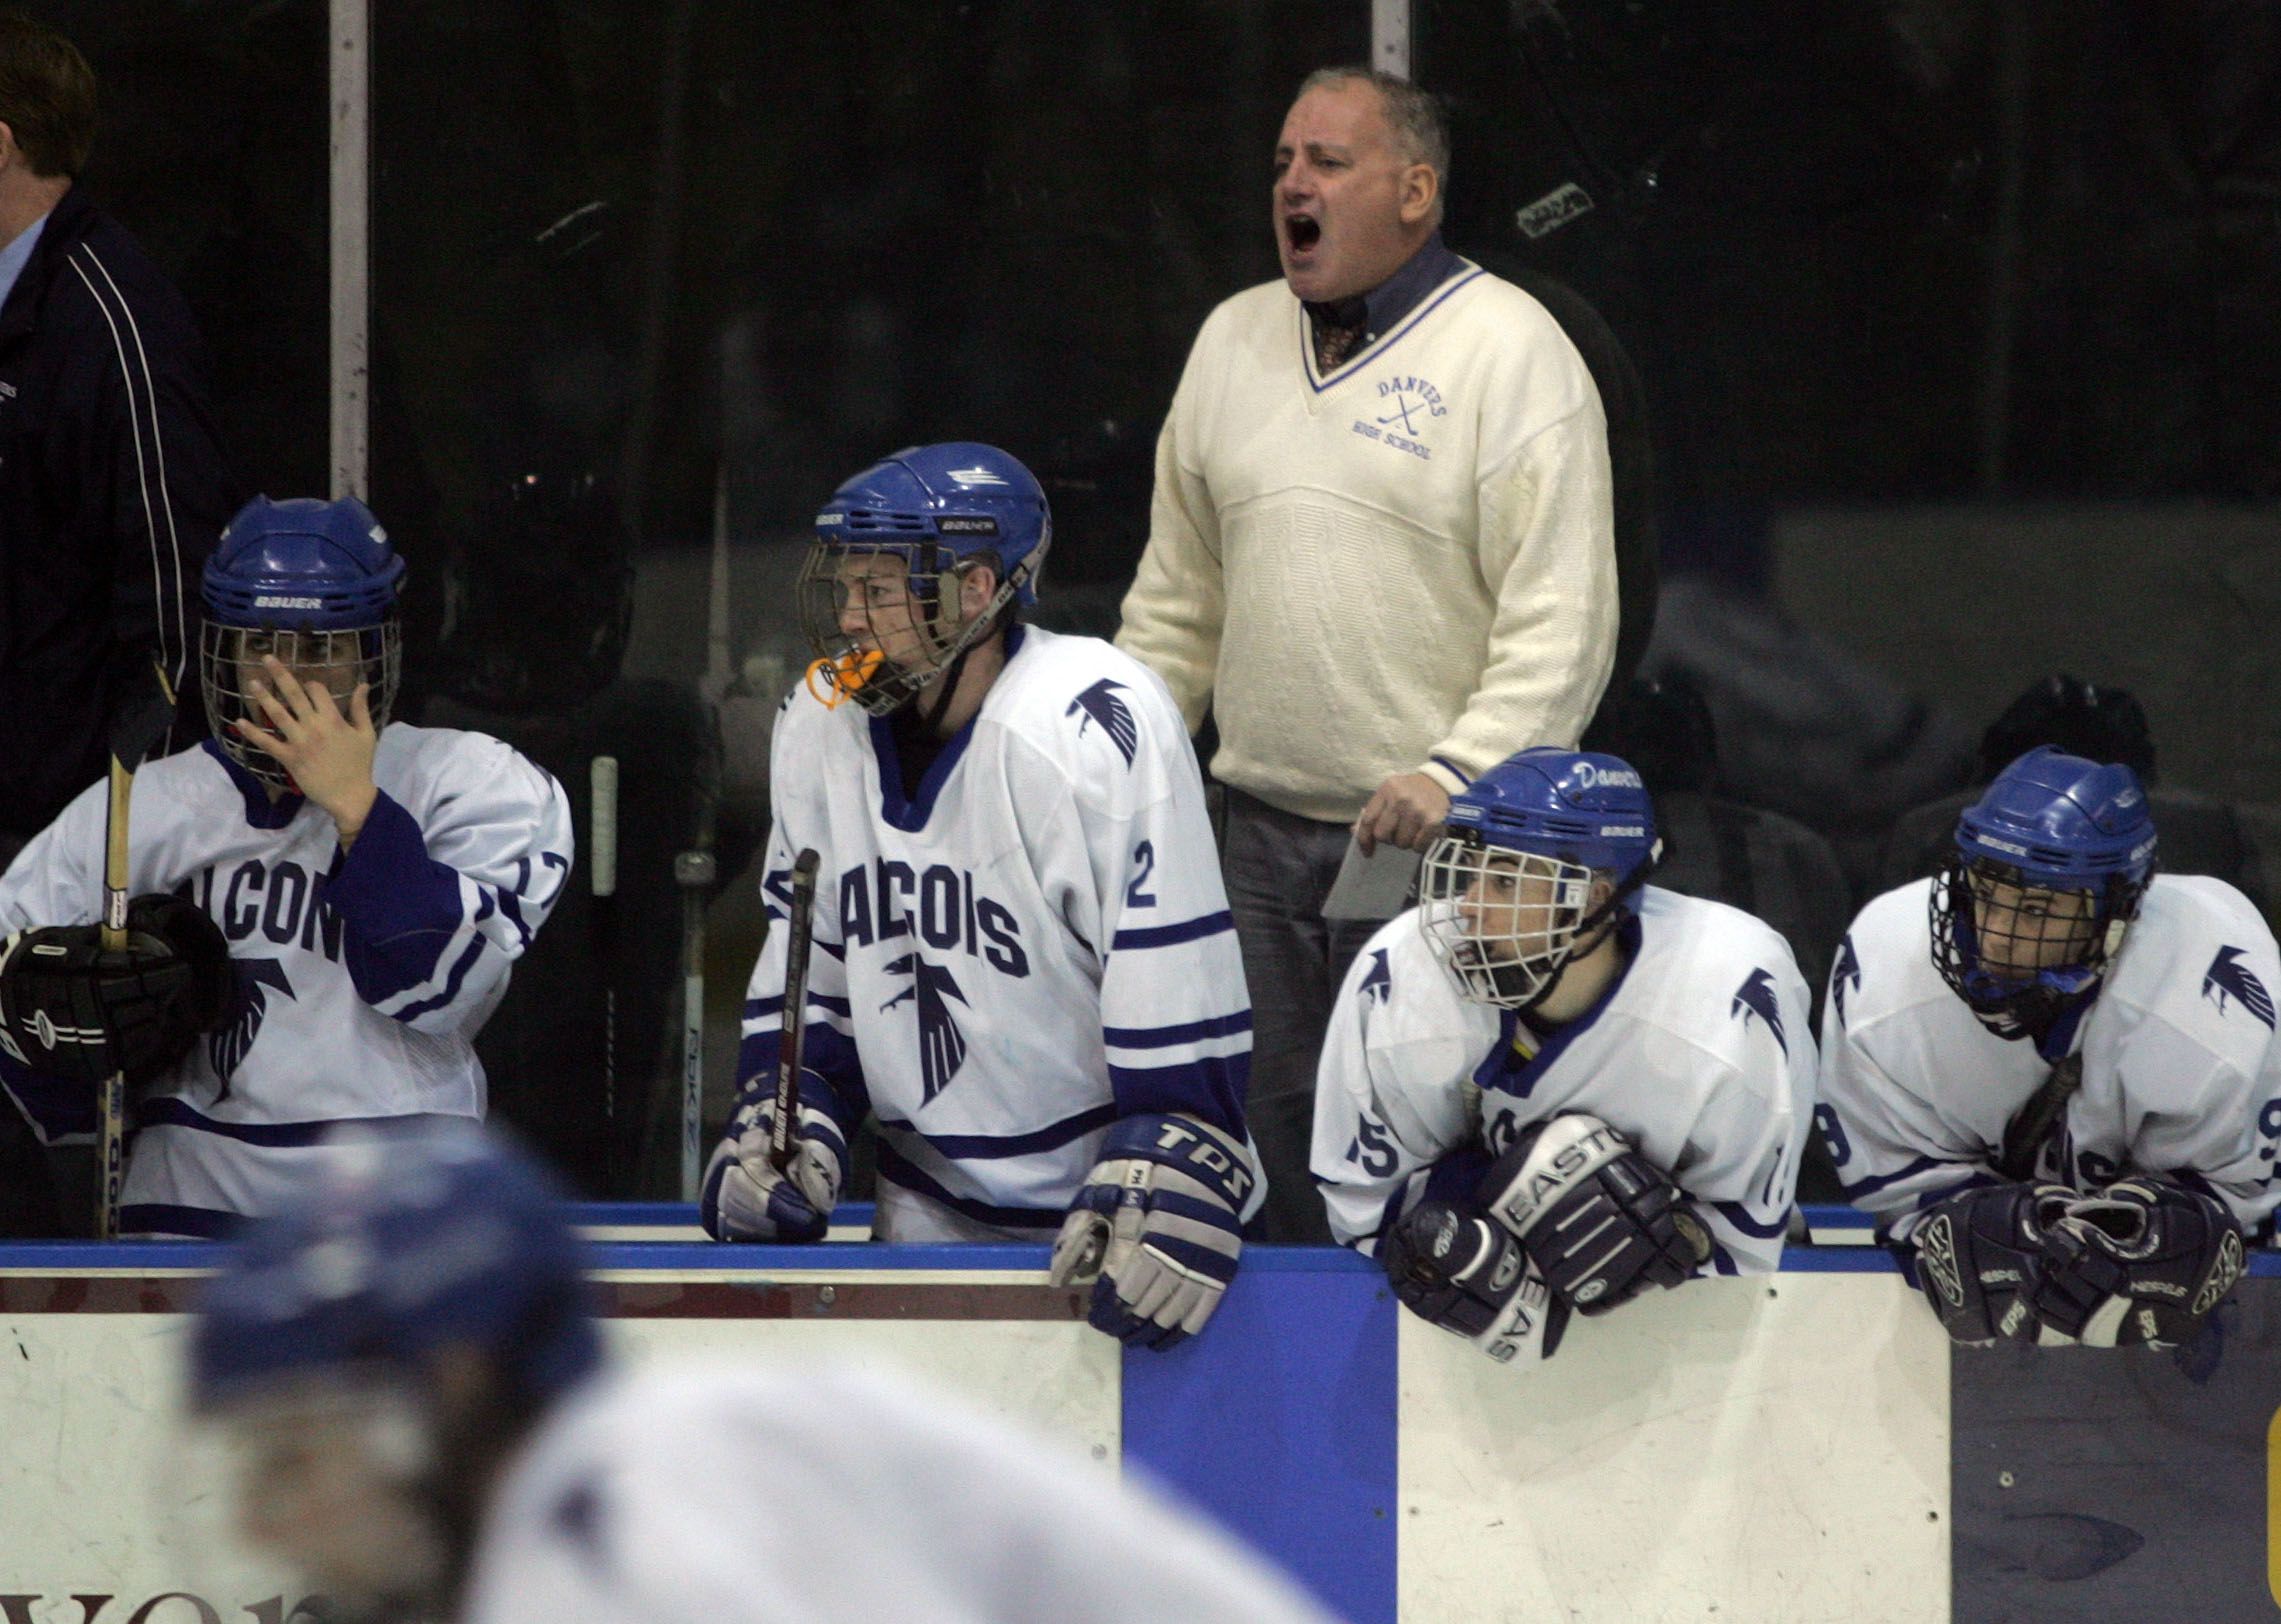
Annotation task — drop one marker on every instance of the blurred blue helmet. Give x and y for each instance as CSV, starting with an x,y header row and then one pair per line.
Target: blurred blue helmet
x,y
1506,892
395,1246
2050,866
314,583
939,510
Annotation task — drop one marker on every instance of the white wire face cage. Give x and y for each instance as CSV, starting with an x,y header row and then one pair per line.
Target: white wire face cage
x,y
1502,923
227,655
918,636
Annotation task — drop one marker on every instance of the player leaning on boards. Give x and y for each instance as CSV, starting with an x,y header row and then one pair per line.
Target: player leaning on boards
x,y
328,902
2052,1075
1550,1085
404,1369
1023,964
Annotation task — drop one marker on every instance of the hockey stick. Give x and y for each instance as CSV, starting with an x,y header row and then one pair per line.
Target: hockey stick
x,y
141,723
602,876
802,925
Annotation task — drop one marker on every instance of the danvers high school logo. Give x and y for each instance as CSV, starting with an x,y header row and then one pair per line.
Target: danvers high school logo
x,y
942,917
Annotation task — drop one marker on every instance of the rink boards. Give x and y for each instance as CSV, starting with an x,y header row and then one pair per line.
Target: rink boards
x,y
1805,1447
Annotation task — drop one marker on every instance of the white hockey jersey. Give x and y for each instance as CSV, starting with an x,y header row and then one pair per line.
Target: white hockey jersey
x,y
1701,1053
2181,1070
360,978
739,1496
1034,946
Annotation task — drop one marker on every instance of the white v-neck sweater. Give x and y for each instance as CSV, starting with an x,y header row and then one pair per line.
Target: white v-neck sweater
x,y
1407,565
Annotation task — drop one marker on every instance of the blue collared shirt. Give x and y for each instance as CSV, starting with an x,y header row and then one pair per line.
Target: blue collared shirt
x,y
1386,304
17,255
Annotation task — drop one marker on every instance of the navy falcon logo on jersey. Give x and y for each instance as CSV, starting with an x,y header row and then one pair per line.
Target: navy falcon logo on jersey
x,y
2227,975
227,1047
1845,973
1101,704
1756,997
942,1046
1378,984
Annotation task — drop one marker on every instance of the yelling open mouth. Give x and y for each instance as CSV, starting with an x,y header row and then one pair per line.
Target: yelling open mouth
x,y
1302,232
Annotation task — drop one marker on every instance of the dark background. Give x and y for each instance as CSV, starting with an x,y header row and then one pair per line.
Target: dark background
x,y
1956,323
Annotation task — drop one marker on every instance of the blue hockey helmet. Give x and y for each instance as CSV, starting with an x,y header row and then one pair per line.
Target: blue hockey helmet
x,y
314,583
938,511
1507,891
396,1245
2049,869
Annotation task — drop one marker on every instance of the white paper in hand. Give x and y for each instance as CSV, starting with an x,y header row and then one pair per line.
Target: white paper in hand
x,y
1373,887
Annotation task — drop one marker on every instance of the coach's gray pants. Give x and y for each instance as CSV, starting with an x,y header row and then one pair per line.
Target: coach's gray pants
x,y
1279,868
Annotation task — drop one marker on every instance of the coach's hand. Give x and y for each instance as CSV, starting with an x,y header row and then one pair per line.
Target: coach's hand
x,y
328,754
1407,811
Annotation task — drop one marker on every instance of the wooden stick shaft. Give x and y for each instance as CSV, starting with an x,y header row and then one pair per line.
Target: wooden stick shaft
x,y
802,926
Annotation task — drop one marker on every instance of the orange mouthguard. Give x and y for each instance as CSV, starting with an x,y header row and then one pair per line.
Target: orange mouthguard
x,y
841,675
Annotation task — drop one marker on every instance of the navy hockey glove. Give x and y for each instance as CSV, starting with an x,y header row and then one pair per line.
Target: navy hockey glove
x,y
1977,1255
1599,1220
746,1199
1157,1228
2145,1261
70,1009
1465,1274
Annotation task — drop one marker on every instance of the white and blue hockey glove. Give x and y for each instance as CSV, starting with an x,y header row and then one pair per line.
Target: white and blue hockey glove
x,y
1977,1255
1466,1274
1601,1221
745,1198
1157,1228
2143,1261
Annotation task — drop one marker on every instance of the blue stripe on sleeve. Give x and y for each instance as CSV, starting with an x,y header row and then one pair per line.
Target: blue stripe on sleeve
x,y
1735,1213
400,906
452,982
1165,1037
1211,1088
1188,930
983,1147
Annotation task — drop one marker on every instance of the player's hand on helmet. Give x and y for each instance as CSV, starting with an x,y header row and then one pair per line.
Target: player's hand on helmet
x,y
1157,1227
1465,1273
327,749
1601,1221
70,1008
2146,1260
1407,811
746,1197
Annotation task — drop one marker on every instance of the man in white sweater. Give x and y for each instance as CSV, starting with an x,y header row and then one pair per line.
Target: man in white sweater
x,y
1380,554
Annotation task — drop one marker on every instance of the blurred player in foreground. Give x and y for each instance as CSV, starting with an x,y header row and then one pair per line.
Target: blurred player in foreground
x,y
327,902
1551,1085
2053,1075
1024,969
404,1370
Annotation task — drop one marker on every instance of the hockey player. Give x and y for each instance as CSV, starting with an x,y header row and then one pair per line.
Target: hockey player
x,y
328,902
2052,1076
403,1367
1550,1085
1024,969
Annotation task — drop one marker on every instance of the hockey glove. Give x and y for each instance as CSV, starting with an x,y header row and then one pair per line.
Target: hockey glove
x,y
745,1198
1465,1274
1157,1228
70,1009
1977,1255
2145,1261
1599,1220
